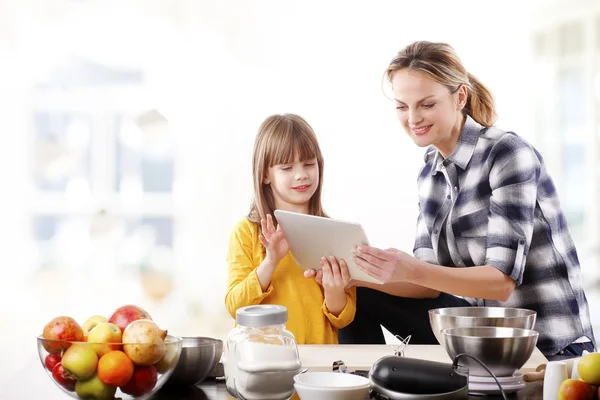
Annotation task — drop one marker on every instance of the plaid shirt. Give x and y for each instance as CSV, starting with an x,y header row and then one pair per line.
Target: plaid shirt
x,y
492,202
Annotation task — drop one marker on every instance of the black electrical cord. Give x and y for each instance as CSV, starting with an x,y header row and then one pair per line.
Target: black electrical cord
x,y
455,366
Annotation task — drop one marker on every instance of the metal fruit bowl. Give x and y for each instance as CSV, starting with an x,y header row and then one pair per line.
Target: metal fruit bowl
x,y
457,317
199,357
98,377
503,350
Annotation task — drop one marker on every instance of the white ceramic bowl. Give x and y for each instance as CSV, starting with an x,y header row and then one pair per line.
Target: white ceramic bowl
x,y
331,386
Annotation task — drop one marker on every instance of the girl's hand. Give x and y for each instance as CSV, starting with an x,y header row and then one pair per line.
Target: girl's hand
x,y
391,265
318,275
273,240
335,275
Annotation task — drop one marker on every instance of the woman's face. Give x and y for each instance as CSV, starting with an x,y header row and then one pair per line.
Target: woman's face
x,y
428,112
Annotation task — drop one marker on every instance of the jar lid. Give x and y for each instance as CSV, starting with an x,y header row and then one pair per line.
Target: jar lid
x,y
261,315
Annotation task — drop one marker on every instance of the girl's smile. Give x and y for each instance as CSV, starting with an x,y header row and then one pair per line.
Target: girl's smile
x,y
301,188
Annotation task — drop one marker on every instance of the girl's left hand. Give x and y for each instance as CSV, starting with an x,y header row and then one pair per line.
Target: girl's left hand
x,y
391,265
335,275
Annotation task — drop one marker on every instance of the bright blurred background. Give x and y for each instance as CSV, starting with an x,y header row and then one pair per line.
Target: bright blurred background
x,y
128,129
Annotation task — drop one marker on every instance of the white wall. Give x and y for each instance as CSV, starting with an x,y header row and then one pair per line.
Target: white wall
x,y
217,69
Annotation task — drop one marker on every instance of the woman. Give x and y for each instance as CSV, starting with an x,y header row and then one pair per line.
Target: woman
x,y
490,230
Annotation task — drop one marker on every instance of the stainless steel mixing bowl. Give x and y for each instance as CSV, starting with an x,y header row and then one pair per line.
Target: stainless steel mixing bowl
x,y
503,350
456,317
199,356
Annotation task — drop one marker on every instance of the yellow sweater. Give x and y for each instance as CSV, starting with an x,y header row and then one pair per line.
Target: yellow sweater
x,y
308,317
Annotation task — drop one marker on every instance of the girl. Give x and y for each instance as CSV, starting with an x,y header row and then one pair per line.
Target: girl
x,y
288,175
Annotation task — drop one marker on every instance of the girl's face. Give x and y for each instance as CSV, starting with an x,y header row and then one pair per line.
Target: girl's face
x,y
293,184
428,112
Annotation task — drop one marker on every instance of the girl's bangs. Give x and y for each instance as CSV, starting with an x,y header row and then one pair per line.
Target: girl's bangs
x,y
292,142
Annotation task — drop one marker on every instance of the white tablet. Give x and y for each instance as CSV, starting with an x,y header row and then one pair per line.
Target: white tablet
x,y
311,237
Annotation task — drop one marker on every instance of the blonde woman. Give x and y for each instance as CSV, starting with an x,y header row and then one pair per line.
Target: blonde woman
x,y
490,230
288,175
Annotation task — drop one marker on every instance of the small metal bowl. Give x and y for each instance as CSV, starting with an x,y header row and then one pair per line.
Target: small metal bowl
x,y
503,350
458,317
199,357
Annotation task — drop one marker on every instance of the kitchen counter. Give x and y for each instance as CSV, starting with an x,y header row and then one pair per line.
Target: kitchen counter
x,y
32,382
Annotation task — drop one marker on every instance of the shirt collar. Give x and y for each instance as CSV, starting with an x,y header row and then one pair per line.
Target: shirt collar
x,y
463,151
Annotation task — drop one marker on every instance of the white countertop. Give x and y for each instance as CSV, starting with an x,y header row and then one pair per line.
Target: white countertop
x,y
321,357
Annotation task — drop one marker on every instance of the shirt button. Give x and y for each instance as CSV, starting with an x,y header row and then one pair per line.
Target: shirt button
x,y
435,231
521,241
448,197
455,188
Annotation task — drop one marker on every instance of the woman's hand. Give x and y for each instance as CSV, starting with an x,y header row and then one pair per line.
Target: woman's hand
x,y
391,265
273,240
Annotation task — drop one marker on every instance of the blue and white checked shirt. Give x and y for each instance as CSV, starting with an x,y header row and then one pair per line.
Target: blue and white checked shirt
x,y
492,202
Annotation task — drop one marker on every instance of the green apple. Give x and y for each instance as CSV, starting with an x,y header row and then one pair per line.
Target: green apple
x,y
80,360
94,389
91,322
169,359
103,334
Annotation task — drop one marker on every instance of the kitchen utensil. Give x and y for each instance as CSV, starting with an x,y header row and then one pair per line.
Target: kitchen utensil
x,y
395,377
556,373
199,356
503,350
331,386
261,357
456,317
91,384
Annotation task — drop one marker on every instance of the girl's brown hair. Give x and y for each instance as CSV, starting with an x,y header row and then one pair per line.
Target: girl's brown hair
x,y
440,62
280,138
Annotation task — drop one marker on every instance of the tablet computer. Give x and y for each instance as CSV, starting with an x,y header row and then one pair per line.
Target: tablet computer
x,y
310,238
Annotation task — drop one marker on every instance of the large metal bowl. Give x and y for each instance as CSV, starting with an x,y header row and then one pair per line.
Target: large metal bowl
x,y
457,317
503,350
199,356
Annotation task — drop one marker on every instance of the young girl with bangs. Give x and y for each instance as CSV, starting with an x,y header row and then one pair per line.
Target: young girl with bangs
x,y
288,175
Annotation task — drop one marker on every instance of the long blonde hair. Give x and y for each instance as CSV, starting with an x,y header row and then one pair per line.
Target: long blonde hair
x,y
440,62
280,138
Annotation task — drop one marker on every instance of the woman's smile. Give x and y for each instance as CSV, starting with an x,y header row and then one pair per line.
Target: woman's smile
x,y
420,131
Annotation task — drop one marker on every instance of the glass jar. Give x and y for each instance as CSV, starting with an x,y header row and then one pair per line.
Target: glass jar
x,y
261,356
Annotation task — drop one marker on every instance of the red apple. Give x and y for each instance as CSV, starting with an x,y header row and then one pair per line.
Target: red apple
x,y
51,360
143,381
64,379
61,328
123,316
572,389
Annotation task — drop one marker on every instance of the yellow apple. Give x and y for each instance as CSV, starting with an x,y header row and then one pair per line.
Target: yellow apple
x,y
589,368
91,322
101,337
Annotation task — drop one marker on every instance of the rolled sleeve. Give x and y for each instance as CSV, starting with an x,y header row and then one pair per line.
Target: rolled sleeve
x,y
514,177
347,314
423,248
243,287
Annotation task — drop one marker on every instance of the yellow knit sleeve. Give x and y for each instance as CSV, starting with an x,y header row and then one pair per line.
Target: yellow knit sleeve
x,y
347,314
243,287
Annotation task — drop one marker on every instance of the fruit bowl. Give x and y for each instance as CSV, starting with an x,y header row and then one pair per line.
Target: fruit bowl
x,y
105,371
